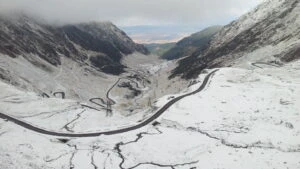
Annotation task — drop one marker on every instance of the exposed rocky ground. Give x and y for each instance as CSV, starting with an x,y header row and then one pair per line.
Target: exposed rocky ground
x,y
101,45
269,33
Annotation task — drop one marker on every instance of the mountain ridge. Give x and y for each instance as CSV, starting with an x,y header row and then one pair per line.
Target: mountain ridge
x,y
101,45
269,33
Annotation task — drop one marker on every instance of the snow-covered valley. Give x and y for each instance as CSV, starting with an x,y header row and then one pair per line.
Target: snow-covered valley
x,y
86,96
244,118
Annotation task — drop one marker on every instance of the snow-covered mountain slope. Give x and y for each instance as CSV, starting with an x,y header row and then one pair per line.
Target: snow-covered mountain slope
x,y
127,94
101,45
79,62
242,119
269,33
117,100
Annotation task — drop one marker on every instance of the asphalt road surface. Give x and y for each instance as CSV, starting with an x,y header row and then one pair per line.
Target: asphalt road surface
x,y
263,63
112,132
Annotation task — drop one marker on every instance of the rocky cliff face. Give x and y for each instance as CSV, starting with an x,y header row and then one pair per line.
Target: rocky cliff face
x,y
270,33
101,45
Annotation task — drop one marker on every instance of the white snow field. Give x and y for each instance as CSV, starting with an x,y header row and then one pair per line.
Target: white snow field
x,y
243,119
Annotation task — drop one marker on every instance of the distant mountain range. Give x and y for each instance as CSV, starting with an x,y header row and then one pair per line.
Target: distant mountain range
x,y
148,34
158,48
196,42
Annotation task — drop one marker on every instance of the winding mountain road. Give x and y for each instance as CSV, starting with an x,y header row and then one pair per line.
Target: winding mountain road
x,y
263,63
112,132
110,102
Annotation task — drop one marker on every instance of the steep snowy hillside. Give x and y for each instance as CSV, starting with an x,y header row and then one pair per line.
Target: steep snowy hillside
x,y
77,62
270,33
127,94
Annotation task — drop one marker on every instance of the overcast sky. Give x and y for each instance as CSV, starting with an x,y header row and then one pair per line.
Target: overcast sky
x,y
133,12
124,13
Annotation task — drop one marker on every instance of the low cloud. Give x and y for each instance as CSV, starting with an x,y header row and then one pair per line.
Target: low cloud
x,y
132,12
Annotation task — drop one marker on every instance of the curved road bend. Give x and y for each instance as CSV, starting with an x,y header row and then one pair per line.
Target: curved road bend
x,y
112,132
263,63
115,84
106,105
93,100
110,102
62,94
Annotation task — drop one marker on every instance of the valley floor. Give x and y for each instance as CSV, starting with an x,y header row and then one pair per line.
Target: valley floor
x,y
244,118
